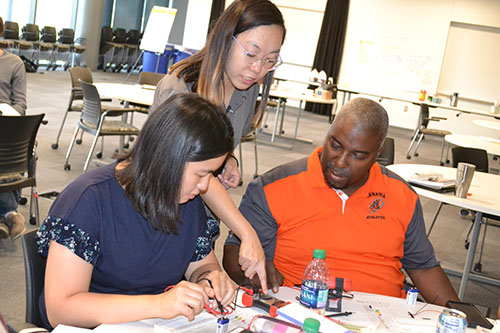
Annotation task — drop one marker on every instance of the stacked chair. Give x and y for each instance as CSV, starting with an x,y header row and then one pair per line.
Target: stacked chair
x,y
112,48
65,48
132,49
11,36
47,44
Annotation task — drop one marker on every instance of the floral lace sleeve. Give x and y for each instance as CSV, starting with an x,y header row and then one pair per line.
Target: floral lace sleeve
x,y
205,242
75,239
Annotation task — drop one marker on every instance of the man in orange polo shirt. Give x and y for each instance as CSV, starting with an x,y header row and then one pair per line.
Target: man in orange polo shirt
x,y
369,220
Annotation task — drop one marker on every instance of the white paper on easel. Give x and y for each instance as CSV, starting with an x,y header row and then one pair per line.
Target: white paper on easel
x,y
158,29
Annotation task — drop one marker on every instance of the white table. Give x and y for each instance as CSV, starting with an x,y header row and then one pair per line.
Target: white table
x,y
297,96
492,124
393,310
131,93
491,145
348,92
483,198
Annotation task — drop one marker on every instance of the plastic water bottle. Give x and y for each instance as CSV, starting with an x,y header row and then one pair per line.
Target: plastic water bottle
x,y
314,291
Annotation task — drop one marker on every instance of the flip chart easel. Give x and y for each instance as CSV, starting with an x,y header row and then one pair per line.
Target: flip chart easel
x,y
155,37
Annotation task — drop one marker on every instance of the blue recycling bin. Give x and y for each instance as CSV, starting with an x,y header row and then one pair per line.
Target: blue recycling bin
x,y
182,54
151,61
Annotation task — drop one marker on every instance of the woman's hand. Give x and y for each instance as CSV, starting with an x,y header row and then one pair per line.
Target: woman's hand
x,y
230,176
220,287
185,298
253,260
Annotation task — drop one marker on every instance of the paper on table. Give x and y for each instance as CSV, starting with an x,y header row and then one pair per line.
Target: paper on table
x,y
7,110
296,314
205,322
393,311
431,180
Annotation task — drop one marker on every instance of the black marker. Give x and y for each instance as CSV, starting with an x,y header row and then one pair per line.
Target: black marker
x,y
219,304
347,313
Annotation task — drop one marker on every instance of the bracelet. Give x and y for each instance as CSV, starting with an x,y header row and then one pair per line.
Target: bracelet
x,y
205,279
237,162
200,277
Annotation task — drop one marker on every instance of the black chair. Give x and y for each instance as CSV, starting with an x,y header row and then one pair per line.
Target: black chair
x,y
110,52
63,48
30,32
133,37
421,131
386,157
11,32
17,158
478,157
34,269
120,35
93,121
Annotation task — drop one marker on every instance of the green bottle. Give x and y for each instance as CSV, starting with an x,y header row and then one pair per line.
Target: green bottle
x,y
311,325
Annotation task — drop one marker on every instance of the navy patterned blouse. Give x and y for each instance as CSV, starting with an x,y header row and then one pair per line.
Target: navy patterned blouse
x,y
93,218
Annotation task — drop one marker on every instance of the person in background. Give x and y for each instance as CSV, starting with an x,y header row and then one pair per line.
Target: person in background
x,y
13,94
242,50
368,219
121,239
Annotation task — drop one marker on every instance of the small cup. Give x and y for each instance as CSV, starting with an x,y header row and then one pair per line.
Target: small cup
x,y
465,172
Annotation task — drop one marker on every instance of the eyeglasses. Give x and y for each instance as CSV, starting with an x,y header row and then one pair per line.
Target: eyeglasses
x,y
252,58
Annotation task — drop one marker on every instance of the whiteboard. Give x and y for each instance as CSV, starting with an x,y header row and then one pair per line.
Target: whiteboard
x,y
158,29
471,64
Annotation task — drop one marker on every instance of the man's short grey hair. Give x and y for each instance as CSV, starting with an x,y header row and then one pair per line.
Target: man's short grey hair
x,y
368,114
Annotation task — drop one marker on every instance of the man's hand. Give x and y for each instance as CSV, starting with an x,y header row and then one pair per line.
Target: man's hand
x,y
230,176
274,277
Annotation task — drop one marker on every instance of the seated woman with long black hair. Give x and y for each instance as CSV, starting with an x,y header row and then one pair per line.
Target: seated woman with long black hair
x,y
119,235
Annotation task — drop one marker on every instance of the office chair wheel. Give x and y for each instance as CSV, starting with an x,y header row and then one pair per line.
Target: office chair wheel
x,y
32,220
126,146
416,154
240,183
255,176
466,245
441,163
408,157
99,155
78,141
54,146
478,267
67,167
23,201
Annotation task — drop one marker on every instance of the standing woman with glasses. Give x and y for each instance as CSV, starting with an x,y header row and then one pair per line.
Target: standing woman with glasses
x,y
241,51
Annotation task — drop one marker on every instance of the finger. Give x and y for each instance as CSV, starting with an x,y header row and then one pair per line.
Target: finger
x,y
244,262
273,282
195,303
228,294
186,310
261,272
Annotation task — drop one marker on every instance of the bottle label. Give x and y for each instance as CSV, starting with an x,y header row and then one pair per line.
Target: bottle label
x,y
313,297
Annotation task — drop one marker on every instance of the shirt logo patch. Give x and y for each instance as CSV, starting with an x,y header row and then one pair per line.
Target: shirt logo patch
x,y
375,203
